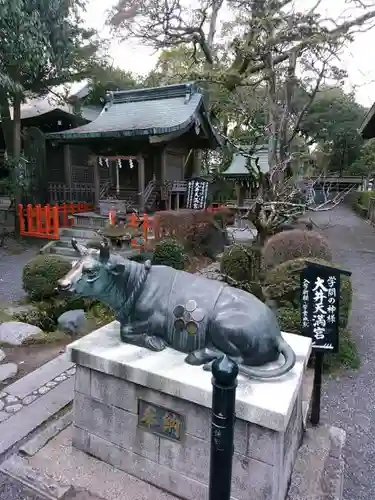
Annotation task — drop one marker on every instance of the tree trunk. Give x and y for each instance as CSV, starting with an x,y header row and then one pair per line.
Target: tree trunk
x,y
6,123
17,127
17,158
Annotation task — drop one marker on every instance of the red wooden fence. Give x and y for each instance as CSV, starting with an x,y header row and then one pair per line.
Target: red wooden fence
x,y
44,221
143,222
39,222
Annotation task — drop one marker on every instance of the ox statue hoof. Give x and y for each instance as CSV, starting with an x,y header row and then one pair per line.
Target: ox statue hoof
x,y
155,343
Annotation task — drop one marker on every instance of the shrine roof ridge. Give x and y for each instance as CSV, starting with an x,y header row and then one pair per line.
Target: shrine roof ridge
x,y
142,112
185,90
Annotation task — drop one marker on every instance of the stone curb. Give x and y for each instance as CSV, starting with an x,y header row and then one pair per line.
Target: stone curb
x,y
18,468
41,439
34,399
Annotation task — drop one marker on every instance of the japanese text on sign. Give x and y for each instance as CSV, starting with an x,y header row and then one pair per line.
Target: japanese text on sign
x,y
160,420
320,287
324,301
305,302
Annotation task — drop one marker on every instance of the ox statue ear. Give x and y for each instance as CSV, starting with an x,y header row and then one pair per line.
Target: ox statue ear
x,y
81,249
104,252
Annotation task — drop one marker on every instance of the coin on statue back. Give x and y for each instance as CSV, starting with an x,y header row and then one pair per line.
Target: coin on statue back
x,y
191,305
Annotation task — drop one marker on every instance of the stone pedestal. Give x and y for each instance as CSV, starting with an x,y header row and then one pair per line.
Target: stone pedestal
x,y
116,381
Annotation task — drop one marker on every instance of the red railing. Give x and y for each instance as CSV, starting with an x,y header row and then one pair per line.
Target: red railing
x,y
44,221
66,211
143,222
39,222
215,207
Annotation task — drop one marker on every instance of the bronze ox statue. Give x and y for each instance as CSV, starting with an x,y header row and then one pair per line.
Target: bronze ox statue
x,y
158,306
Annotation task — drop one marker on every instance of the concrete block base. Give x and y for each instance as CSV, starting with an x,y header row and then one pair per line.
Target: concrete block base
x,y
106,421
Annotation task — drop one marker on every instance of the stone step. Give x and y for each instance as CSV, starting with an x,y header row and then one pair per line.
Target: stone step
x,y
78,233
66,241
319,468
35,399
64,251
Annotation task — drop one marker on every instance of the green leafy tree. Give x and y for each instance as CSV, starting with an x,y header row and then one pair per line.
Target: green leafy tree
x,y
365,163
258,49
105,78
332,122
43,44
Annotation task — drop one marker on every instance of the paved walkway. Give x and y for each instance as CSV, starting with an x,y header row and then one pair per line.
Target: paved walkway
x,y
349,401
11,267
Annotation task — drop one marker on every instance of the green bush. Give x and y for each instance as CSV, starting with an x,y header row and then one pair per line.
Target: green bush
x,y
47,312
241,263
205,239
364,198
360,210
40,275
282,284
170,253
289,319
293,244
101,314
347,356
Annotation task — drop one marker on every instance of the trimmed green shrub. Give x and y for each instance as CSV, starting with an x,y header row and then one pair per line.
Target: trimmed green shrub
x,y
205,239
282,284
101,314
293,244
347,357
289,319
360,210
241,263
364,198
40,275
170,253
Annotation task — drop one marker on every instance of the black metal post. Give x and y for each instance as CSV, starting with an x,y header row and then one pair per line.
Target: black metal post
x,y
224,382
317,388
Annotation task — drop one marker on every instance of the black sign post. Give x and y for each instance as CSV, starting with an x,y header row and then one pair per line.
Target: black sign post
x,y
320,308
224,382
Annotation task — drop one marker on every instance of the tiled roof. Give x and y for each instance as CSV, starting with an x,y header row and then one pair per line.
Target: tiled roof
x,y
238,164
152,111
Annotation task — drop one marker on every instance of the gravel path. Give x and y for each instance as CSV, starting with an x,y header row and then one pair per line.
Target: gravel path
x,y
349,400
11,274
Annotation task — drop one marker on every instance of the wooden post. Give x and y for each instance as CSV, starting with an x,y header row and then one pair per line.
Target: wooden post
x,y
197,163
95,165
163,166
238,193
68,170
141,183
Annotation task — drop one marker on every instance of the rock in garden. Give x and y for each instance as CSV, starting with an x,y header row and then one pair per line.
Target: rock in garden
x,y
8,370
2,355
16,332
72,321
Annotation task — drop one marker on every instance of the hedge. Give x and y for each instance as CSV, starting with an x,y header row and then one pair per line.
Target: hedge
x,y
294,244
40,275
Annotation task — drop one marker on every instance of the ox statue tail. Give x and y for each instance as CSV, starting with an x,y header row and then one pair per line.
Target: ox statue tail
x,y
260,373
